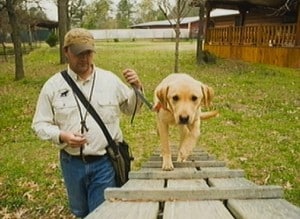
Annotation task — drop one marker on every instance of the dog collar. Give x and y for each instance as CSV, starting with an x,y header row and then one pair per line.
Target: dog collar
x,y
157,107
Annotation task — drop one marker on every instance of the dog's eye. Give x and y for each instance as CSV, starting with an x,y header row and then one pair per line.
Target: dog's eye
x,y
194,98
175,98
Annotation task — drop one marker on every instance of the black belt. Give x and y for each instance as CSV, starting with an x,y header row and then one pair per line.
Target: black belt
x,y
85,158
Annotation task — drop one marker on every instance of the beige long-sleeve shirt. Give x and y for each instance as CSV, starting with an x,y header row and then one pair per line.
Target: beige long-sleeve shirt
x,y
57,109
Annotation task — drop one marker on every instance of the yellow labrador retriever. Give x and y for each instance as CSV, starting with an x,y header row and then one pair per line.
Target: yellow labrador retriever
x,y
177,101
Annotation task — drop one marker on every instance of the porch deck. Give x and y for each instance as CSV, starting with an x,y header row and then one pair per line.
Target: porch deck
x,y
268,44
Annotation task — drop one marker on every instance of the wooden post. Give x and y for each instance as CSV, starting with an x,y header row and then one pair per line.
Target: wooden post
x,y
201,34
242,11
241,24
208,10
297,42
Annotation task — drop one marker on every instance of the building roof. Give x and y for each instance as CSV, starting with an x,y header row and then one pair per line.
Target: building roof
x,y
279,7
187,20
45,24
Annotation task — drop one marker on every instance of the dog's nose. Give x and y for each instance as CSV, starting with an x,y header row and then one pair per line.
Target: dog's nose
x,y
183,119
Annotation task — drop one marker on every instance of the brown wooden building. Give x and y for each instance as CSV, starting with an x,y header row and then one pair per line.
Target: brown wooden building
x,y
265,31
190,23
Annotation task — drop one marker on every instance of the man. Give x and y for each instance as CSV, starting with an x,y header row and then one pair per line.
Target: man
x,y
61,118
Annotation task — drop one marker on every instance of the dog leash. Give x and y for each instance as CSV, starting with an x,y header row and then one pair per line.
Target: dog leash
x,y
144,100
142,97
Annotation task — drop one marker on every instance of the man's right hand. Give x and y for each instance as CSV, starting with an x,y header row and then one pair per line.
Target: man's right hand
x,y
74,140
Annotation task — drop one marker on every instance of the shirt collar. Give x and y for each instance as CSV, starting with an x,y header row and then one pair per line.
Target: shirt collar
x,y
75,77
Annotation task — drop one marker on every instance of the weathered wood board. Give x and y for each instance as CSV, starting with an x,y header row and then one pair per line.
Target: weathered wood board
x,y
199,188
128,210
263,209
182,193
184,173
196,164
196,209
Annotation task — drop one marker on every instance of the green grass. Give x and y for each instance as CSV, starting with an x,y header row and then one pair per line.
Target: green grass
x,y
258,129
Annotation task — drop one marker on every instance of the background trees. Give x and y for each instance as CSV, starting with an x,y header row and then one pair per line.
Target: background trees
x,y
16,16
19,16
125,13
98,15
176,13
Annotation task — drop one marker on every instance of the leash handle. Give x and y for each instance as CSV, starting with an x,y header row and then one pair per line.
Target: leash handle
x,y
142,97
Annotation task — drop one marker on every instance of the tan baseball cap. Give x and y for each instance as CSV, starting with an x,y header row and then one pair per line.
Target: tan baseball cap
x,y
79,40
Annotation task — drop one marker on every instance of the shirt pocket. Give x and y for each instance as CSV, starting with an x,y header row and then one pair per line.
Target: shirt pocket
x,y
108,111
64,110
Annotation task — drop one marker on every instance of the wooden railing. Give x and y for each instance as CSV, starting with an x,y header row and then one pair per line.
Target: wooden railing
x,y
259,35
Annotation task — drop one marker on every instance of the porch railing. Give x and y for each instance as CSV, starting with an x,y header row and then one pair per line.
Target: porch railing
x,y
259,35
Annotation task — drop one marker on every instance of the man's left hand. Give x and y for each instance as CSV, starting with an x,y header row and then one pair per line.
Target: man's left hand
x,y
132,78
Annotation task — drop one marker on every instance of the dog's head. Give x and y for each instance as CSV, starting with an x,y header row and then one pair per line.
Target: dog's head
x,y
183,96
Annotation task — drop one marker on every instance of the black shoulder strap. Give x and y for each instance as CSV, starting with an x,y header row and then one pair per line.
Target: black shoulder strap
x,y
88,106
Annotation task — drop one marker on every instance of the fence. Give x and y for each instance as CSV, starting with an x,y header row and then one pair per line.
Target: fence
x,y
268,44
259,35
109,34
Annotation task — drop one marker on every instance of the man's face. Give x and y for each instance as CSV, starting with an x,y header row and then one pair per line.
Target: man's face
x,y
80,63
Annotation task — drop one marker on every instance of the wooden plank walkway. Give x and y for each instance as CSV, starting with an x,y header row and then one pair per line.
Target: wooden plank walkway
x,y
200,188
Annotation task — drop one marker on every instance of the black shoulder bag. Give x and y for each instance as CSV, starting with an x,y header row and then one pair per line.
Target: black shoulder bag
x,y
119,153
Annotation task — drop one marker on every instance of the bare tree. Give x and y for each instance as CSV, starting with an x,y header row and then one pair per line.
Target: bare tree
x,y
201,34
2,41
176,14
16,37
63,21
68,11
4,27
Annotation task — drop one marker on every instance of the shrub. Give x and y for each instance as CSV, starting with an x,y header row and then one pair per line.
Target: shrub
x,y
52,39
209,57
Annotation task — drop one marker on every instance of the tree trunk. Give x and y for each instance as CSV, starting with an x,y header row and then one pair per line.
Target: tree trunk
x,y
4,51
16,38
177,36
62,26
201,35
177,39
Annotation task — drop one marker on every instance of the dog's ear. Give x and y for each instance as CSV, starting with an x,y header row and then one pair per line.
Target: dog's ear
x,y
208,94
162,96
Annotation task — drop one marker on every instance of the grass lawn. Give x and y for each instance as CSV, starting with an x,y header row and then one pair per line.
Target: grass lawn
x,y
258,129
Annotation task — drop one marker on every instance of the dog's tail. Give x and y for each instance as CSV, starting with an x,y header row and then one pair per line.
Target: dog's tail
x,y
209,114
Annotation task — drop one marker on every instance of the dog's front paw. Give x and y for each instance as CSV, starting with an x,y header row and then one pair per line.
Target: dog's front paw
x,y
182,157
167,164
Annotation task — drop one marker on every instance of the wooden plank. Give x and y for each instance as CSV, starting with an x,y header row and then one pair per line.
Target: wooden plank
x,y
175,153
174,149
196,209
190,158
128,210
263,209
184,173
209,169
141,183
230,182
196,164
187,183
193,194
